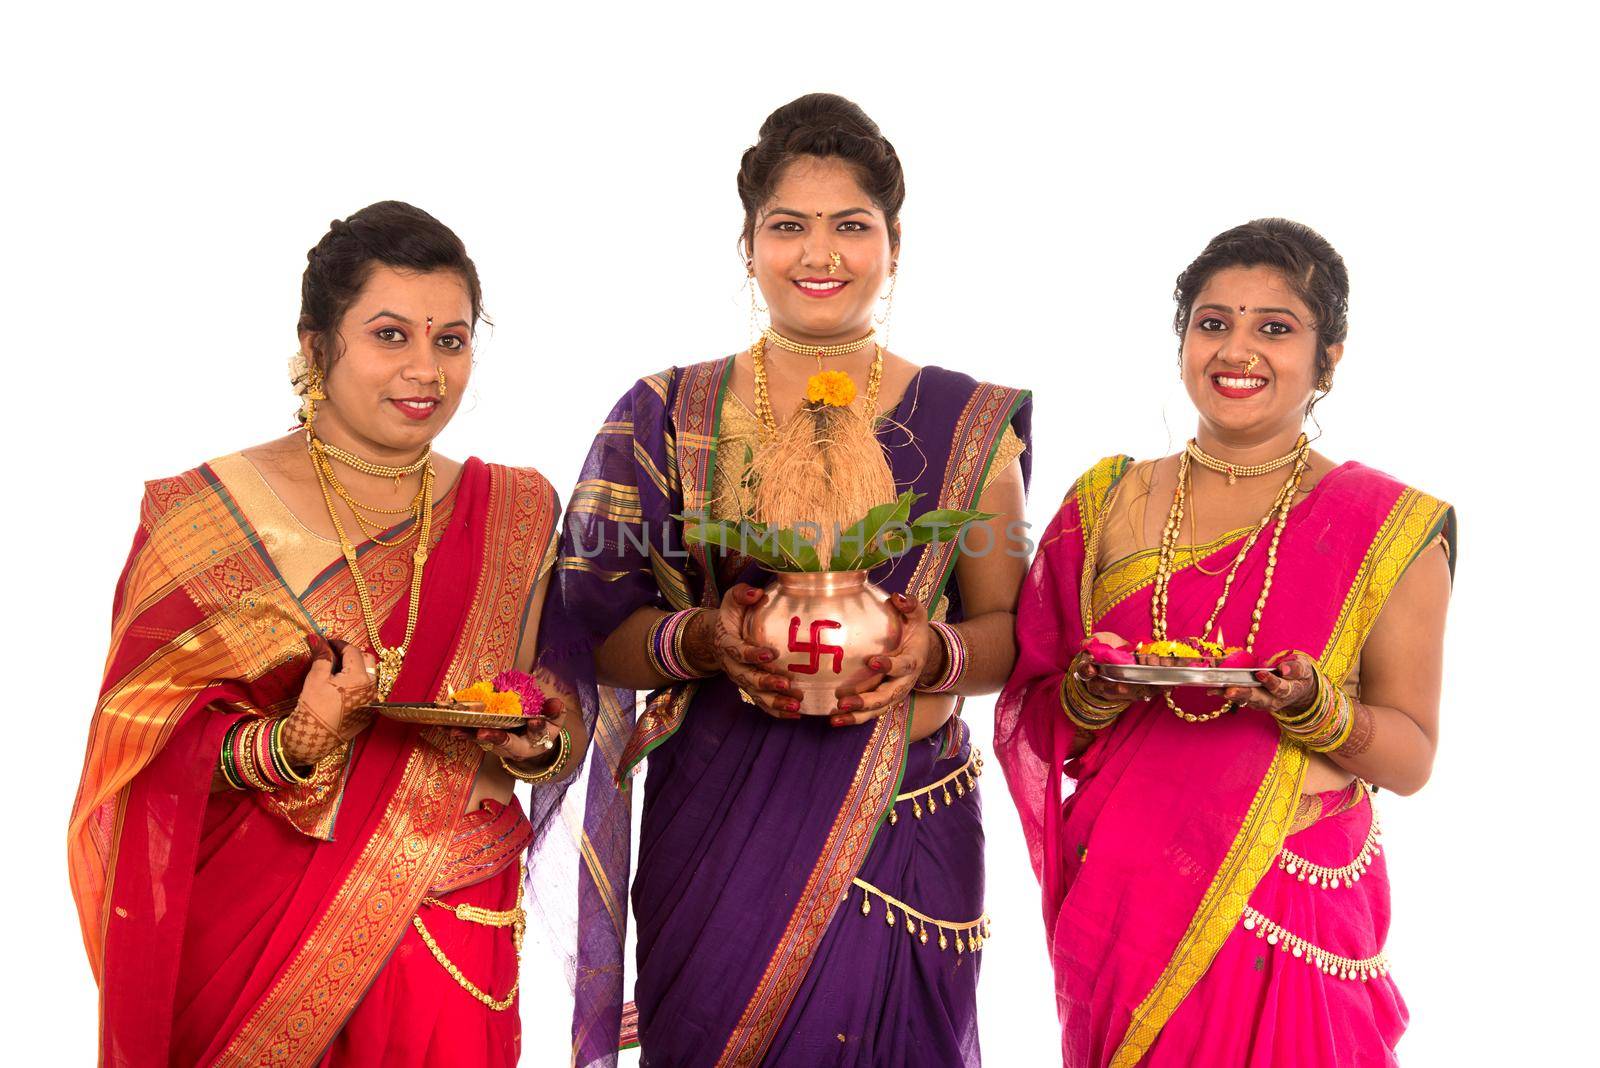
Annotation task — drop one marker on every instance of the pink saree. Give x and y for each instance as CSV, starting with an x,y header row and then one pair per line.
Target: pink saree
x,y
1177,934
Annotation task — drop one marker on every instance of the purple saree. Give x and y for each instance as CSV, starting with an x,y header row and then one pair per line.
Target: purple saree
x,y
764,842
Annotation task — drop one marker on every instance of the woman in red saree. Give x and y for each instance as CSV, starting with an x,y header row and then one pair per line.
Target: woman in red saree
x,y
264,873
1212,885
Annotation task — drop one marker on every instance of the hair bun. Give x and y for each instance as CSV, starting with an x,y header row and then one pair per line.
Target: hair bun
x,y
826,126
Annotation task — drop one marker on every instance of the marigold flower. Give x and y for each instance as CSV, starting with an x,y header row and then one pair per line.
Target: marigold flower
x,y
833,388
477,693
503,704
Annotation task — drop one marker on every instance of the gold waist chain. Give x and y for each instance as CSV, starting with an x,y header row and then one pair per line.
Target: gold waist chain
x,y
514,918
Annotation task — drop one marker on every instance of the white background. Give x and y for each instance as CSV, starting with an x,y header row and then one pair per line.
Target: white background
x,y
166,169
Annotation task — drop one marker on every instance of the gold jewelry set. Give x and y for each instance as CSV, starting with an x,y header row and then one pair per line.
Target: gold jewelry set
x,y
515,918
758,365
1169,545
390,660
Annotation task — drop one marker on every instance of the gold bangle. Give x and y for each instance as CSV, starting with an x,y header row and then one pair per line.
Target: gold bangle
x,y
553,771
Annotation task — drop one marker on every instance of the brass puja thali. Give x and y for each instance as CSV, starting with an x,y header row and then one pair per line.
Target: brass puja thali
x,y
468,714
1169,675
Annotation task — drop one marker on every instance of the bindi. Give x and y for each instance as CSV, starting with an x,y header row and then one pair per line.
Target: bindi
x,y
1241,309
427,329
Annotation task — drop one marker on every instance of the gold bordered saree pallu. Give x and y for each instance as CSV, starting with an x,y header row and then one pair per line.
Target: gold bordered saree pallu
x,y
1155,864
244,928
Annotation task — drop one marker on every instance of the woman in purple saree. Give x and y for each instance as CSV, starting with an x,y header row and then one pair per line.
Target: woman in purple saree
x,y
808,892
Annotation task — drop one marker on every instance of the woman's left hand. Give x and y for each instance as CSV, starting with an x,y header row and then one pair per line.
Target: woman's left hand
x,y
1290,684
538,743
902,667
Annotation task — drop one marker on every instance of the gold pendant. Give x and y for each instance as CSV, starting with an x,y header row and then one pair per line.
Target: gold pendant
x,y
389,664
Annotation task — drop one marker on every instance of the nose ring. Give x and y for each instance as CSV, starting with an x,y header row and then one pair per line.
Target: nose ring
x,y
833,262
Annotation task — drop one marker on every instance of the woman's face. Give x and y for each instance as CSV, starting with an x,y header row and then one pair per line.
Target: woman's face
x,y
1250,354
385,390
818,210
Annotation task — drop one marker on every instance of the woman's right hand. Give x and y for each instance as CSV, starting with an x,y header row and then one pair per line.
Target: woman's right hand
x,y
715,642
329,712
1088,674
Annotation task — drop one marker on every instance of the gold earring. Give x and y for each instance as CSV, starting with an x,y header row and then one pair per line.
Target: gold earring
x,y
314,392
1325,383
755,310
888,298
833,262
444,390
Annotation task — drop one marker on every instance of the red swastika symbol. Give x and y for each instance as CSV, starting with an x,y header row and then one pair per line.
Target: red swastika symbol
x,y
814,647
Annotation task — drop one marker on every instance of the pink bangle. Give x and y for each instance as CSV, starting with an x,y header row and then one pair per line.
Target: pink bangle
x,y
664,646
955,658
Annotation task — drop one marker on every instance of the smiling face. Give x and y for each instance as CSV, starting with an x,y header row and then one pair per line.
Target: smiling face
x,y
1250,355
404,327
821,252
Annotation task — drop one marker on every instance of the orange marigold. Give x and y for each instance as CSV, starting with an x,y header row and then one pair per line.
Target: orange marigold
x,y
833,388
502,703
477,693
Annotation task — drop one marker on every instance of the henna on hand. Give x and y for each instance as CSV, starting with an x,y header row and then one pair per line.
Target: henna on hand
x,y
1362,734
306,739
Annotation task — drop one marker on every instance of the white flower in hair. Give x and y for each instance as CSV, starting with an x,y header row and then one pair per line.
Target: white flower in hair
x,y
299,373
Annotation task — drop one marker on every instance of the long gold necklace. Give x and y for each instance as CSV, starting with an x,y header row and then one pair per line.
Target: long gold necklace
x,y
819,351
1237,471
1164,566
758,366
372,530
390,659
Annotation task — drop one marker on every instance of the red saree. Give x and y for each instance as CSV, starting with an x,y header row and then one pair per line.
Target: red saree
x,y
246,928
1158,870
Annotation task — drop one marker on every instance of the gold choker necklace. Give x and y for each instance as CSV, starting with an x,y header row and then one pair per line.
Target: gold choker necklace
x,y
818,351
367,467
1238,471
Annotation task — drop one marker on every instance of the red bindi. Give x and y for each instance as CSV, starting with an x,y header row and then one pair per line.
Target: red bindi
x,y
427,331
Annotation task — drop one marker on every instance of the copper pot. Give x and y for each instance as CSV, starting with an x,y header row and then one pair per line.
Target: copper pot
x,y
824,625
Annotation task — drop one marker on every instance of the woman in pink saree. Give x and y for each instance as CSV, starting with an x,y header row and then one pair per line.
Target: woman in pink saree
x,y
1213,888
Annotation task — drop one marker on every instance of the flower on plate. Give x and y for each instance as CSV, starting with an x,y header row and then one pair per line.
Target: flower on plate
x,y
525,686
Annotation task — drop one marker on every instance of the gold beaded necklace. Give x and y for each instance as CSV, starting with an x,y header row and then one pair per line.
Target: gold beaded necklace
x,y
373,530
1169,544
758,366
390,660
819,351
1236,471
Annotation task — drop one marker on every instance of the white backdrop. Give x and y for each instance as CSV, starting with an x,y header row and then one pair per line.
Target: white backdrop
x,y
167,168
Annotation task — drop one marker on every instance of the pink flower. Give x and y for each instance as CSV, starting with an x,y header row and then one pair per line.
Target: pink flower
x,y
1239,658
1104,653
524,686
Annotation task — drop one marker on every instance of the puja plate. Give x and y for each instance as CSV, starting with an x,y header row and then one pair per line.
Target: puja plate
x,y
455,714
1165,675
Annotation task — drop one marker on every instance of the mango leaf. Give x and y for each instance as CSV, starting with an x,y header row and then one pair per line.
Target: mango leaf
x,y
750,539
797,553
860,540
